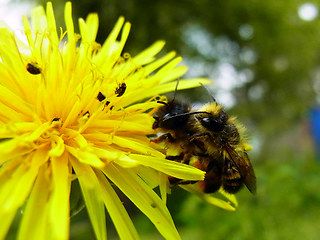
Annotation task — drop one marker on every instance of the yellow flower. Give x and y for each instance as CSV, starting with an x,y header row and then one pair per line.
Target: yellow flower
x,y
71,109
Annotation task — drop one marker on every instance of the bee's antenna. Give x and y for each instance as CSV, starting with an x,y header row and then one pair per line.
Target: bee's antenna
x,y
207,90
175,90
184,114
174,96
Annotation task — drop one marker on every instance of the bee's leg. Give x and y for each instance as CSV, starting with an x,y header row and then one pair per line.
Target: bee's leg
x,y
197,139
200,136
163,138
184,182
176,181
183,158
186,158
201,154
175,158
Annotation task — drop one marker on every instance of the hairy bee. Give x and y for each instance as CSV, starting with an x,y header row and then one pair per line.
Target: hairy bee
x,y
224,144
176,130
210,136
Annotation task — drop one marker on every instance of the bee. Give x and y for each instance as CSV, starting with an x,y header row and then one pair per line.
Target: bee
x,y
213,138
172,119
175,127
33,68
222,139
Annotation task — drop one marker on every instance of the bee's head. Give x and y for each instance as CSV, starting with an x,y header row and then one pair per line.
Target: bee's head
x,y
171,116
213,122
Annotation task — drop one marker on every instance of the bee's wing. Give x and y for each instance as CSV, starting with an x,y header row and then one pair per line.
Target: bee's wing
x,y
243,164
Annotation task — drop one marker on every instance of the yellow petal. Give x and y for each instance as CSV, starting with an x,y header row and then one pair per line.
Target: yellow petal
x,y
123,126
52,25
135,145
100,59
14,191
218,202
231,197
34,223
39,20
118,213
89,28
158,63
70,53
59,201
149,175
5,224
86,157
69,22
164,186
147,55
57,146
126,162
144,198
169,167
27,31
90,187
14,102
183,84
11,149
209,198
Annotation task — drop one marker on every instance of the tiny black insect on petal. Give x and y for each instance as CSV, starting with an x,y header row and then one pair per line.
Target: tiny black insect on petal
x,y
107,104
87,113
31,68
56,119
120,90
101,96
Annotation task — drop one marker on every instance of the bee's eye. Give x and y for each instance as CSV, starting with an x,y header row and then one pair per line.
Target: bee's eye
x,y
168,115
213,123
206,120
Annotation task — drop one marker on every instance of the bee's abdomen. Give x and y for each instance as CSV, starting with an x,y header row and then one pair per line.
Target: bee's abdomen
x,y
212,180
232,180
210,185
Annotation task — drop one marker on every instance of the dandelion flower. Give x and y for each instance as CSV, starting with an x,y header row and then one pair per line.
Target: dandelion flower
x,y
72,109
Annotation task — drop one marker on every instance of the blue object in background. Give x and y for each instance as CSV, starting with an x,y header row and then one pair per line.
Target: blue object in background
x,y
315,128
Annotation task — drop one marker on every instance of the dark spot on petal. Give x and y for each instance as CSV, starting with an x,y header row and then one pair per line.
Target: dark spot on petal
x,y
120,90
101,96
33,69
